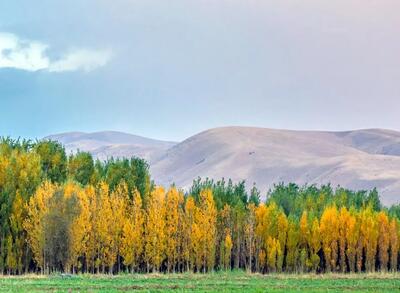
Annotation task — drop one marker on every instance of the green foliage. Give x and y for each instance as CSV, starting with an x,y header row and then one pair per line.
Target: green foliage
x,y
255,196
224,193
53,160
20,172
134,172
81,167
394,211
294,199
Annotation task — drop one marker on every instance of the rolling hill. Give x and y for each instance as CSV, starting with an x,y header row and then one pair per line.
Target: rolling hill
x,y
107,144
360,159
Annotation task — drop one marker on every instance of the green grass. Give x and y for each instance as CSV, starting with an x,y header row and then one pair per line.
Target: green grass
x,y
214,282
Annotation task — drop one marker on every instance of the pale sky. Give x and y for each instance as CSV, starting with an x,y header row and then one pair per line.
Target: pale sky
x,y
169,69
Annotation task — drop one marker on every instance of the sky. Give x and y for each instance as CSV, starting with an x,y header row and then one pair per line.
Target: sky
x,y
170,69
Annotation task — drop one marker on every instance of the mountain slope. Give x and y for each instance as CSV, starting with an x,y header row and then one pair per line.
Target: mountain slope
x,y
358,159
374,141
107,144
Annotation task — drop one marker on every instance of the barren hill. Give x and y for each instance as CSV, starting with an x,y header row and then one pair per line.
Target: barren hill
x,y
107,144
360,159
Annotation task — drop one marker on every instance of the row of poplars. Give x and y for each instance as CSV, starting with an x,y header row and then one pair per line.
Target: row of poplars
x,y
93,229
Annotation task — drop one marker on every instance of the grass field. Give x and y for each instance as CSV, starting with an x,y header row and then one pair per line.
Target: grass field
x,y
215,282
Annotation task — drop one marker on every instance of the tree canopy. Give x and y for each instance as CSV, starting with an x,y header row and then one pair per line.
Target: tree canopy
x,y
72,213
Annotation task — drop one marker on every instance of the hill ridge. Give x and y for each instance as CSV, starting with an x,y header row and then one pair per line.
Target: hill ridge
x,y
358,159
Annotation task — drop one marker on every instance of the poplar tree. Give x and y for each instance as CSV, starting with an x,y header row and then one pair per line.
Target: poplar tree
x,y
34,224
155,248
133,234
383,240
329,227
171,228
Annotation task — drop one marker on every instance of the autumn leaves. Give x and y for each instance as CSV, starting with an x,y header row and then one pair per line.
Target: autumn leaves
x,y
60,213
110,231
106,231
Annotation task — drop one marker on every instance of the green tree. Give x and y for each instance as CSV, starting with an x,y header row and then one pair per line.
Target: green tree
x,y
81,167
53,160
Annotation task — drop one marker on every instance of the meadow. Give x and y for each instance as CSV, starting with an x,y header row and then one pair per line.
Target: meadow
x,y
211,282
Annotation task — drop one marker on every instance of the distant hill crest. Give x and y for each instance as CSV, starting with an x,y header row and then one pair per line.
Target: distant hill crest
x,y
359,159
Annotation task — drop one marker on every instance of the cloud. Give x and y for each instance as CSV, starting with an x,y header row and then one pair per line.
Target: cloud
x,y
83,59
19,54
33,56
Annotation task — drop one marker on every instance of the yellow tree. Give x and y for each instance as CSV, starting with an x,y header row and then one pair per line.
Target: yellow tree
x,y
205,228
262,260
91,241
118,202
11,260
304,236
104,229
394,244
315,244
360,242
208,212
19,177
250,237
272,253
271,227
80,227
383,240
34,224
196,240
329,228
18,215
224,223
181,232
155,229
260,230
282,238
352,238
227,250
187,234
304,229
344,219
133,233
292,246
238,214
369,235
171,228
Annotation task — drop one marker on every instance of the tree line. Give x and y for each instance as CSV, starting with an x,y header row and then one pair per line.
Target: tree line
x,y
72,213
